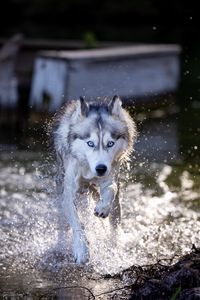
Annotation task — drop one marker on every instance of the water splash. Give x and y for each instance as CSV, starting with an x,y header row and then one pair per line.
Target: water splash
x,y
159,220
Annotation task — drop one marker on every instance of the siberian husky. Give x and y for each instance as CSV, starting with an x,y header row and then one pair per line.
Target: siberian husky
x,y
91,141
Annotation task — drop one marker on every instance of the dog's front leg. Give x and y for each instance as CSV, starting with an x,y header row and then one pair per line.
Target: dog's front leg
x,y
79,243
115,215
108,191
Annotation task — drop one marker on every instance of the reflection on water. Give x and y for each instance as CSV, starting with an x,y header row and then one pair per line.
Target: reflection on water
x,y
161,196
158,141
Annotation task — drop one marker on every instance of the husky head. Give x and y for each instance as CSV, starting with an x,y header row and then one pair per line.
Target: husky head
x,y
100,135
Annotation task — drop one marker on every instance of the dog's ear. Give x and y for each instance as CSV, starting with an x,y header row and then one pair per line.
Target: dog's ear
x,y
81,110
84,106
115,105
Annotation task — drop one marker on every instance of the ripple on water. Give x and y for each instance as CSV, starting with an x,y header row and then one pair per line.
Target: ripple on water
x,y
158,222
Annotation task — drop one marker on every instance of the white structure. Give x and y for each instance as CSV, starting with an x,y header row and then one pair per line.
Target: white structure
x,y
8,81
132,71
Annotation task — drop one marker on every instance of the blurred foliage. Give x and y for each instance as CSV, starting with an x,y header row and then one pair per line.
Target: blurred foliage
x,y
126,20
90,11
142,7
90,40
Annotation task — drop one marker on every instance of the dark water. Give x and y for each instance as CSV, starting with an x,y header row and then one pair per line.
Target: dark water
x,y
161,216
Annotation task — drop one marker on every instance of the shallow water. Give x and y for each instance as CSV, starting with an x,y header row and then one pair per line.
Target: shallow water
x,y
161,220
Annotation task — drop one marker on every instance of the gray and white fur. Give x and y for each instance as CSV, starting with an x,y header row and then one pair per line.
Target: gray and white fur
x,y
91,142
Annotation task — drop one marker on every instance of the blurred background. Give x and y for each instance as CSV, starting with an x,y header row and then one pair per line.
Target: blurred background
x,y
27,27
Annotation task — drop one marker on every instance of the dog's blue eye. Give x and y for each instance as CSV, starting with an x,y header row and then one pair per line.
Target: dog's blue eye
x,y
90,144
110,144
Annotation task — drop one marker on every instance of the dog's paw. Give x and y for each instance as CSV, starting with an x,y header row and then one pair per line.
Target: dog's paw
x,y
102,210
80,251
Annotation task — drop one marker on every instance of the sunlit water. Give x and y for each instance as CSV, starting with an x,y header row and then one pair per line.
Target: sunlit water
x,y
160,220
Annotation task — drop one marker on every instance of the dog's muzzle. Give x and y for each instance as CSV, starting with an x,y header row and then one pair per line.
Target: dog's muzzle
x,y
101,170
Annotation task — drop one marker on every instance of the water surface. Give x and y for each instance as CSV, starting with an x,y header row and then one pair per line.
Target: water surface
x,y
160,221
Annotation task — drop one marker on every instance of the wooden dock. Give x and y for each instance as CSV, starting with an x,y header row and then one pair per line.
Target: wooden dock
x,y
133,72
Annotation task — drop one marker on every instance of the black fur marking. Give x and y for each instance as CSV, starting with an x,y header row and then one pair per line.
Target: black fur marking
x,y
98,109
73,136
118,135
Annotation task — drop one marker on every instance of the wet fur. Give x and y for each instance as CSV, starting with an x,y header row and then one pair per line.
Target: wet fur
x,y
75,125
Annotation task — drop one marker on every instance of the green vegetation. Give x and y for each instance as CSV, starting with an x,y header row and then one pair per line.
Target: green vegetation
x,y
176,293
90,40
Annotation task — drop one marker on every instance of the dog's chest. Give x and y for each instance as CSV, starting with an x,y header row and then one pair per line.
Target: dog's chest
x,y
88,187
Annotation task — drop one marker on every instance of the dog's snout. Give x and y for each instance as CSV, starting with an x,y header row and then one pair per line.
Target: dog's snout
x,y
101,169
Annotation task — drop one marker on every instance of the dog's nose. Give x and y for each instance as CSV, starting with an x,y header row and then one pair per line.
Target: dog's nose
x,y
101,170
